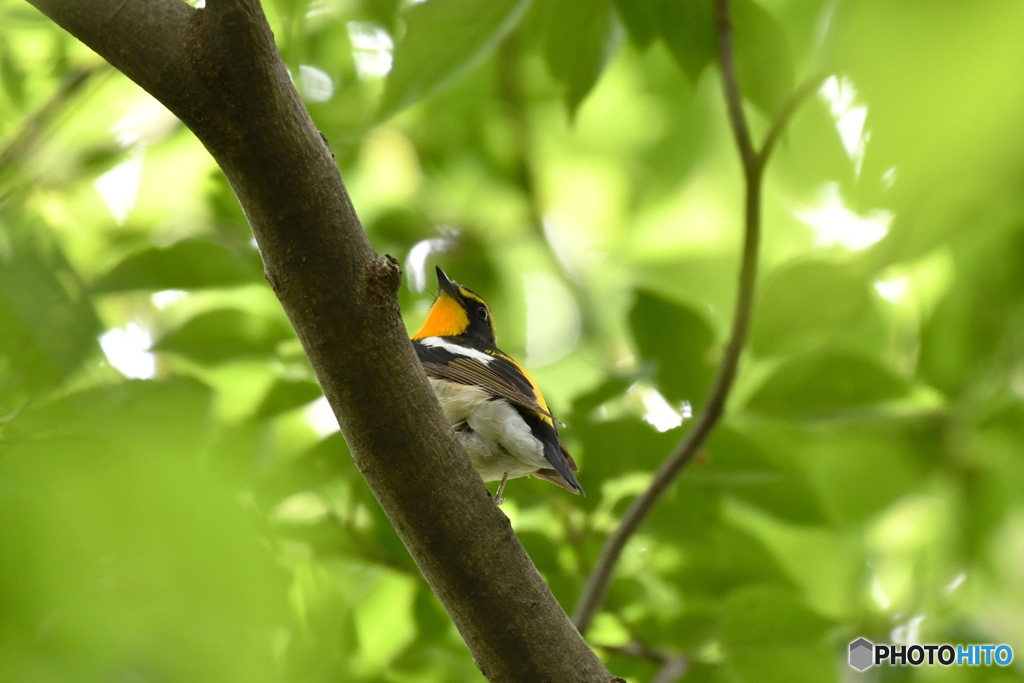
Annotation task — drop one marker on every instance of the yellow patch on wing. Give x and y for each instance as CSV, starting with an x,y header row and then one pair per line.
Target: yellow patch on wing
x,y
536,390
447,318
473,372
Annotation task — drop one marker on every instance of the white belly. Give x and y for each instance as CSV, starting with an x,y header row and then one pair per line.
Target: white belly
x,y
493,433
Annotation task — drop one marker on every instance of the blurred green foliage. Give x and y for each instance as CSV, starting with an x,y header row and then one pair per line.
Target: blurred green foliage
x,y
175,506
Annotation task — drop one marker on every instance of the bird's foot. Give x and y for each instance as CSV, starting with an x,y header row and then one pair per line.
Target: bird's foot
x,y
498,499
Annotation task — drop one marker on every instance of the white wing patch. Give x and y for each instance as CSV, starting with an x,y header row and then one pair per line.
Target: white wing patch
x,y
439,343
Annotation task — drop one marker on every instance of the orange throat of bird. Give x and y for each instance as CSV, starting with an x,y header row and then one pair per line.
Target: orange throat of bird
x,y
447,318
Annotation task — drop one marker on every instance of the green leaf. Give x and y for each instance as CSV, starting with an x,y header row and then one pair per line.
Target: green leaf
x,y
746,472
329,458
688,27
224,335
188,264
244,450
577,45
807,305
813,151
640,18
828,383
318,469
764,60
768,634
960,335
688,629
631,668
384,12
445,39
954,159
612,387
768,614
285,395
12,75
113,521
616,447
48,326
111,420
859,466
722,558
541,548
781,663
678,341
690,514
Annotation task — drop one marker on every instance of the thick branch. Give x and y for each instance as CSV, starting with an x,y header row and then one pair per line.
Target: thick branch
x,y
141,38
753,164
218,69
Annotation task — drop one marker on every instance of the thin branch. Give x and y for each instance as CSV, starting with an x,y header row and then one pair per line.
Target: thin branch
x,y
673,666
14,178
733,96
19,145
753,164
786,112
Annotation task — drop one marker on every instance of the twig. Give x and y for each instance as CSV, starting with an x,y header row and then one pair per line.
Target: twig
x,y
20,145
753,163
789,107
673,666
17,145
731,86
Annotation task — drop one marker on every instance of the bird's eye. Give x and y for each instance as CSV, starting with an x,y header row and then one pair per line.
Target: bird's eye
x,y
482,313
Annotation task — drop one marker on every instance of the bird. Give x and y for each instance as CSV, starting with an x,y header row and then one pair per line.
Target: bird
x,y
496,410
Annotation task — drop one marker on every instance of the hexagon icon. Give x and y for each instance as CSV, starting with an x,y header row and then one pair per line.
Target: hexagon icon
x,y
861,651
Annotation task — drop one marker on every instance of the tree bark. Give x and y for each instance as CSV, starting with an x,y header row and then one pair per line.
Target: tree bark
x,y
219,71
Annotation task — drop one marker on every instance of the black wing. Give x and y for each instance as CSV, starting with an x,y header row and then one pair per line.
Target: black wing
x,y
499,375
504,378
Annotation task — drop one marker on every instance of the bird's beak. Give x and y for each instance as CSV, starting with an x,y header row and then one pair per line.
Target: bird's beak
x,y
446,285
